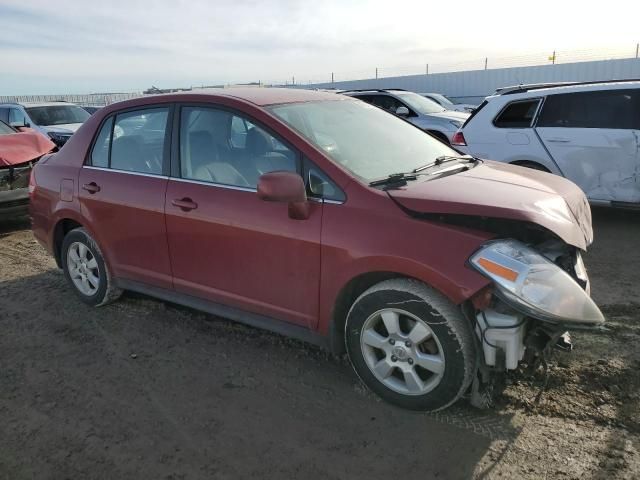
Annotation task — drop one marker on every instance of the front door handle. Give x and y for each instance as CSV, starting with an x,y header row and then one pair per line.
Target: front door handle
x,y
185,204
558,140
91,187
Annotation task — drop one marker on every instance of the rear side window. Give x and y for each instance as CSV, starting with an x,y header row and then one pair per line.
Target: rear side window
x,y
132,141
517,114
100,152
616,109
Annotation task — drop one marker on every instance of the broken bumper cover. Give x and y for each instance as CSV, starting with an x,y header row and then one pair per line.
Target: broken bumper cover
x,y
533,285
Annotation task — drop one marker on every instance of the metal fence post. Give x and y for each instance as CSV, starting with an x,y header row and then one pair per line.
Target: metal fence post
x,y
637,49
427,70
485,62
376,73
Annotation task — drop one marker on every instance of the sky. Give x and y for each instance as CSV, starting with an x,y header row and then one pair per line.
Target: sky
x,y
84,46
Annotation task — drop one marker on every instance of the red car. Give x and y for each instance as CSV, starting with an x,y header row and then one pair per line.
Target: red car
x,y
321,217
20,149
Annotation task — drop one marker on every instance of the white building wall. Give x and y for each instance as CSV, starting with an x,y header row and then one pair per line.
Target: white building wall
x,y
473,86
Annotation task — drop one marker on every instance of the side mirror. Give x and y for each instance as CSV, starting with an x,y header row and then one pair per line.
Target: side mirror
x,y
21,123
286,187
402,111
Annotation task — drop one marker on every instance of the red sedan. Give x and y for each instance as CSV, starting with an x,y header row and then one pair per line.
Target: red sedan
x,y
321,217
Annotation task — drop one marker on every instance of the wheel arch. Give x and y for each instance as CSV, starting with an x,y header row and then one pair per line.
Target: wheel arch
x,y
62,227
348,294
533,164
439,135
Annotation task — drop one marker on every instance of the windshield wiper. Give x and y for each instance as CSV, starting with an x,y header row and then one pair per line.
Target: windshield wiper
x,y
443,159
400,179
394,179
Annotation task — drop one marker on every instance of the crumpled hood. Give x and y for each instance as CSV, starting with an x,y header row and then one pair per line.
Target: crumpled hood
x,y
22,147
500,190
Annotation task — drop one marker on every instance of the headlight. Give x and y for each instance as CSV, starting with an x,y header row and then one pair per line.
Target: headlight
x,y
534,285
455,123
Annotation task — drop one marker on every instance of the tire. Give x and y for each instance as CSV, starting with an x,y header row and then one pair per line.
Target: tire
x,y
78,244
429,373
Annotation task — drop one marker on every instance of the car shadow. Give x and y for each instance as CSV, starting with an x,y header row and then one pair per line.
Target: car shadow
x,y
149,389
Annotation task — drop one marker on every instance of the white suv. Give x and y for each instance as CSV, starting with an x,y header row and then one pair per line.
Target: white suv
x,y
586,132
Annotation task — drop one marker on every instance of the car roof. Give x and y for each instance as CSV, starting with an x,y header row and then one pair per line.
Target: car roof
x,y
563,87
37,104
263,96
372,90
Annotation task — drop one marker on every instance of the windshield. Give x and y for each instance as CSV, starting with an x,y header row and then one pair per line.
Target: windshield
x,y
5,129
419,103
366,140
57,114
441,99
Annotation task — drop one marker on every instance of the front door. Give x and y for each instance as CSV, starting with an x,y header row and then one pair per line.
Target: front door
x,y
122,193
594,137
227,245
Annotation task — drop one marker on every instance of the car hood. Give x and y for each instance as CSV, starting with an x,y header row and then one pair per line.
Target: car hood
x,y
68,128
451,115
498,190
17,148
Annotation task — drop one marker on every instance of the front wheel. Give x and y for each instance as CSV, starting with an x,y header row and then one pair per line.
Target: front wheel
x,y
410,345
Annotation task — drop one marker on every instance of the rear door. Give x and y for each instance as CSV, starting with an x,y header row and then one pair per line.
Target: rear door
x,y
122,191
226,244
595,140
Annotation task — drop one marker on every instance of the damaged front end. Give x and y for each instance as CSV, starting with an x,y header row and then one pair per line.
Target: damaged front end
x,y
14,195
537,294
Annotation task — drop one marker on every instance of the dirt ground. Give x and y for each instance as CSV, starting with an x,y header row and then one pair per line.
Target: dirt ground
x,y
143,389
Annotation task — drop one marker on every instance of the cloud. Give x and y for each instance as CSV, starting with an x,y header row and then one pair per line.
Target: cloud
x,y
67,45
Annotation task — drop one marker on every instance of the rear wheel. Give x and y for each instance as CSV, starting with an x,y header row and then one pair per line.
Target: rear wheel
x,y
85,270
410,345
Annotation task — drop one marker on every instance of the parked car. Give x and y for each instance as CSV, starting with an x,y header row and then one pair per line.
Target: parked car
x,y
90,109
422,112
287,209
447,103
586,132
57,120
19,151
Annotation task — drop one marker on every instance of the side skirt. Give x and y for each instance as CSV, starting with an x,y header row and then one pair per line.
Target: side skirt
x,y
241,316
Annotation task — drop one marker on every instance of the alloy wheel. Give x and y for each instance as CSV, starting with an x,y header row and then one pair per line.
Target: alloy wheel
x,y
83,268
402,351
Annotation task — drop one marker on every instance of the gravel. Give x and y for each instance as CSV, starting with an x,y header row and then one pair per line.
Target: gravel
x,y
146,389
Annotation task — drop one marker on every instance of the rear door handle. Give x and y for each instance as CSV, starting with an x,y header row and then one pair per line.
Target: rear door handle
x,y
558,140
185,204
91,187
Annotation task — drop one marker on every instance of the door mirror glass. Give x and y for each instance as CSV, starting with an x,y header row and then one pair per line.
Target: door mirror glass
x,y
402,111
